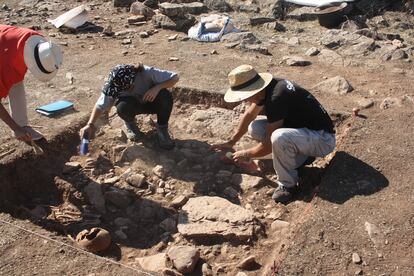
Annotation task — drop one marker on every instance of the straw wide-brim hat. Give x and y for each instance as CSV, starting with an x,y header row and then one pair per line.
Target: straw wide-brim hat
x,y
43,58
245,82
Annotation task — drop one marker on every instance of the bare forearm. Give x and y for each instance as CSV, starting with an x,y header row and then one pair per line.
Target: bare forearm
x,y
168,84
241,128
5,117
96,113
262,149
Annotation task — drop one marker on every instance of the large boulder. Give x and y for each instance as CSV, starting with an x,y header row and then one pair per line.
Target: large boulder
x,y
218,5
209,219
241,37
180,10
184,258
336,85
122,3
95,196
155,263
181,24
138,8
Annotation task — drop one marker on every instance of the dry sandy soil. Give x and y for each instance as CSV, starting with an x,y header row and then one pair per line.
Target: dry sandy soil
x,y
366,185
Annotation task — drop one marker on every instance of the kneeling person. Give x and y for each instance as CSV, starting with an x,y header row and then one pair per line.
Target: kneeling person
x,y
295,126
137,90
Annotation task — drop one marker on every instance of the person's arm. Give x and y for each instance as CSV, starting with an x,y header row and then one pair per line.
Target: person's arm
x,y
103,104
249,115
152,93
261,149
20,133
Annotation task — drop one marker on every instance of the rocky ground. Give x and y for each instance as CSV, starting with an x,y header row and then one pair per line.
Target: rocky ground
x,y
184,211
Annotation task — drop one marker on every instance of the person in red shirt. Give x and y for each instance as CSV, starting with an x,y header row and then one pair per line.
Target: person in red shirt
x,y
22,49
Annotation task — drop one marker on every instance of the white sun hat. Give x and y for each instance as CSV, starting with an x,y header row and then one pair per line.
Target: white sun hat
x,y
245,82
43,58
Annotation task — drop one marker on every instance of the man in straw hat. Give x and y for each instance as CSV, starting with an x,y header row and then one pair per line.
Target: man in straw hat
x,y
296,126
22,49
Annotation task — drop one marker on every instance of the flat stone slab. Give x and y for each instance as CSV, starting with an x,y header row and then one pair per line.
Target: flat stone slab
x,y
208,218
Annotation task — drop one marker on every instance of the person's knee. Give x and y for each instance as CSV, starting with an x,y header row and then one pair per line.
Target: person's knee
x,y
125,110
255,131
279,138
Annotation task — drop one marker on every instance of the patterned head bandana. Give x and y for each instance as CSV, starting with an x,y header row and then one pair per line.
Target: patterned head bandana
x,y
120,79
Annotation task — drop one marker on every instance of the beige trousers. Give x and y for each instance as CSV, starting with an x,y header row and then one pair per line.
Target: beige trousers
x,y
291,147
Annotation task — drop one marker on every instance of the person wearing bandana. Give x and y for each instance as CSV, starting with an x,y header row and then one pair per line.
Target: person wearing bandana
x,y
136,90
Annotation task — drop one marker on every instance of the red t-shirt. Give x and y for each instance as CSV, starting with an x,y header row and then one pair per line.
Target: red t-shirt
x,y
12,66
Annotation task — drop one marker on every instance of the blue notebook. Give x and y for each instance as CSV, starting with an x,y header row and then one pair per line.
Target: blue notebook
x,y
54,108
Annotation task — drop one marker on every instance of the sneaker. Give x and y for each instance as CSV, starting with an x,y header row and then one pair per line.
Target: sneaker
x,y
164,138
283,194
36,135
132,131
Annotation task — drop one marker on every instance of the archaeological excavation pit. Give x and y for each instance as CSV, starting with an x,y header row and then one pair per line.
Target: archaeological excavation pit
x,y
156,202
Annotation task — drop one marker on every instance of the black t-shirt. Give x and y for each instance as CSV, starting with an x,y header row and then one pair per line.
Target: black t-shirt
x,y
296,106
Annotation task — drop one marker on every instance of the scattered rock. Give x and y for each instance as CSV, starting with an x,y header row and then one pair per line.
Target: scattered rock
x,y
293,41
365,103
336,85
111,180
251,8
173,59
179,201
389,103
159,171
275,26
218,5
126,41
375,234
172,37
155,263
241,37
122,3
70,77
241,274
356,259
206,270
313,51
276,214
139,9
184,258
122,222
177,24
143,35
136,180
359,272
331,57
248,264
121,235
231,192
169,225
118,198
295,61
278,225
255,48
95,196
180,10
260,20
302,14
70,167
247,182
214,217
213,52
135,19
379,21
